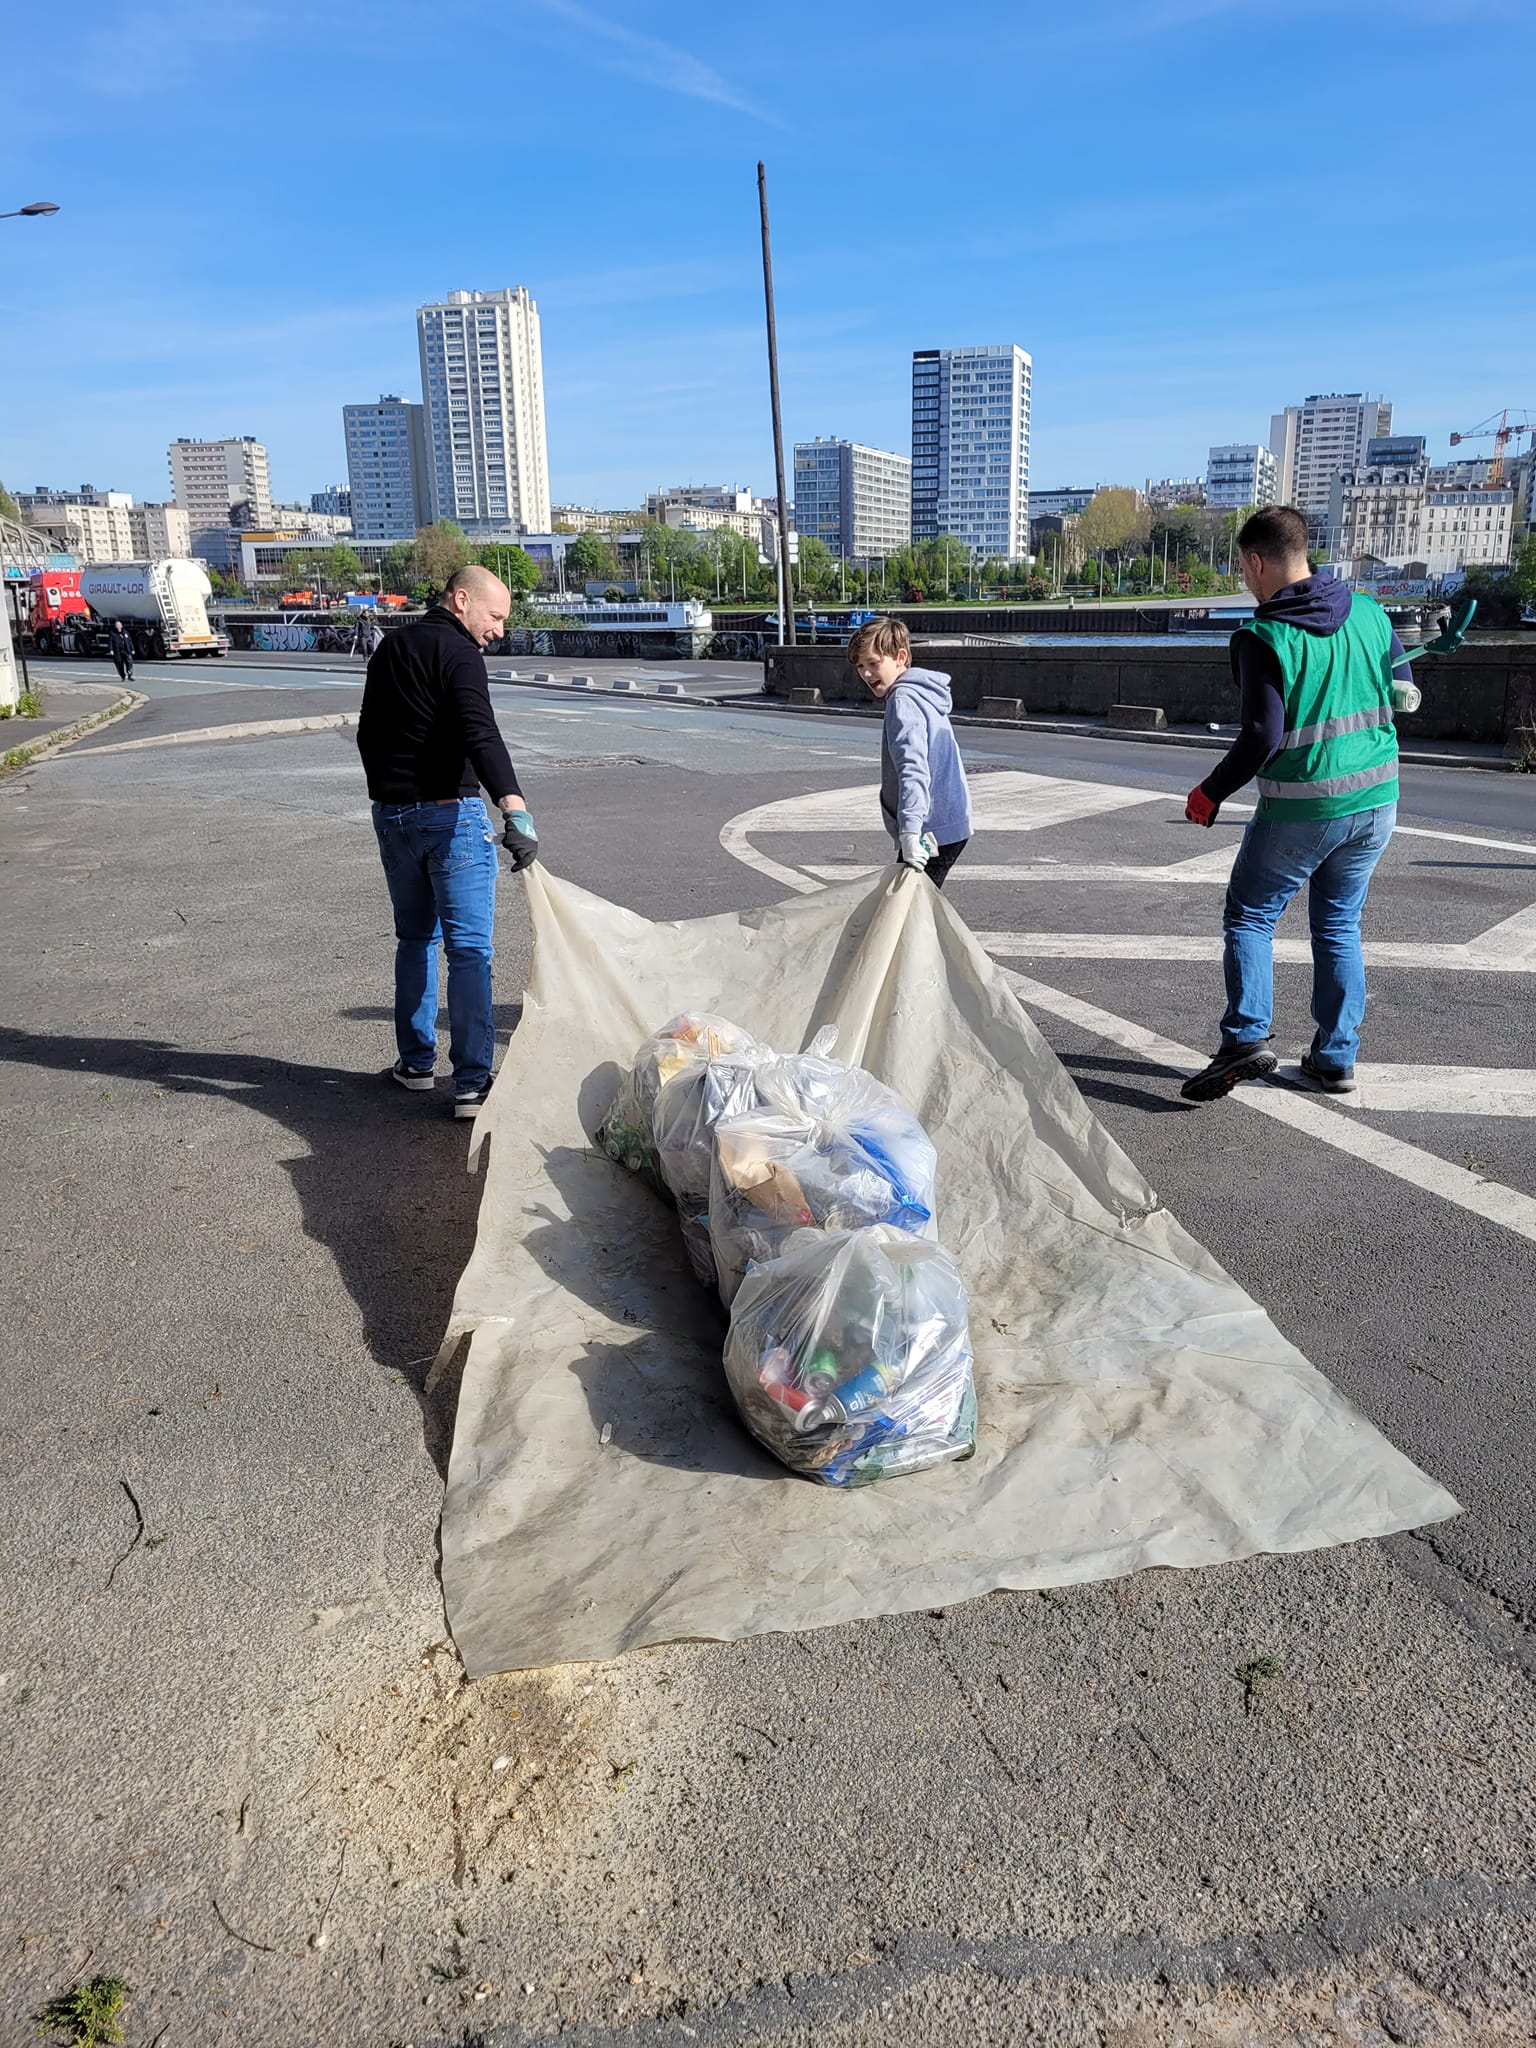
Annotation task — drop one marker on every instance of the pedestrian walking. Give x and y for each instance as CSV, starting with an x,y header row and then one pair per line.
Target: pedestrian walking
x,y
1315,668
120,647
924,797
429,741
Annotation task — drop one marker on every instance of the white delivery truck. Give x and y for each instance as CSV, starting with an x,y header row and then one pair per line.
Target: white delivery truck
x,y
165,604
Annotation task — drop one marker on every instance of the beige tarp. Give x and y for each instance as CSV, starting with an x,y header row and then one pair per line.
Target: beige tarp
x,y
1136,1406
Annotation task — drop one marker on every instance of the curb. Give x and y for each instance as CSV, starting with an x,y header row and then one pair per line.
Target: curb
x,y
1082,731
602,696
17,758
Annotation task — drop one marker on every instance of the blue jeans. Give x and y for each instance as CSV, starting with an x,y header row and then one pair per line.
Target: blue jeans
x,y
1337,856
440,863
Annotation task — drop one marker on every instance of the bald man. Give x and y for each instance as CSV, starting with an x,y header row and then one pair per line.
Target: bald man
x,y
429,741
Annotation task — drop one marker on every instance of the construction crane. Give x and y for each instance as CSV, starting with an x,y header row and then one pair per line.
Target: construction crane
x,y
1501,434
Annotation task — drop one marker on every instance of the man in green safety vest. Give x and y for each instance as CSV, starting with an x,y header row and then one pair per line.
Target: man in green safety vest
x,y
1315,668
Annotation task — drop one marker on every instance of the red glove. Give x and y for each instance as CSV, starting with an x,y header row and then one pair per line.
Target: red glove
x,y
1199,809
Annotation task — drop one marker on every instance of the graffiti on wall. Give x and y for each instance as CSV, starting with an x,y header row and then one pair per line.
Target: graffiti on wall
x,y
289,638
293,636
736,647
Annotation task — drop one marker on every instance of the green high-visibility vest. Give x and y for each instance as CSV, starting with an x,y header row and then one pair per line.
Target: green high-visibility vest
x,y
1338,754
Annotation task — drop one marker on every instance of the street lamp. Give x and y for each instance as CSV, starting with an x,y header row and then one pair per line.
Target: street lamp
x,y
37,206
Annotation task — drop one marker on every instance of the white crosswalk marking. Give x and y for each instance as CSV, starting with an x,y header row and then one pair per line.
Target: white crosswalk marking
x,y
1447,1091
1017,802
1317,1117
1467,959
1512,944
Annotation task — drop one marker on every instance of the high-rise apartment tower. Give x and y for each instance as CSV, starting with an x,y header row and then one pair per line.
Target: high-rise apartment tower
x,y
482,381
1324,438
391,493
857,500
970,448
208,479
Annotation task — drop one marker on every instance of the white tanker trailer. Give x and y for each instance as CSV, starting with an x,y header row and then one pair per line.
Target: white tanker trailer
x,y
165,604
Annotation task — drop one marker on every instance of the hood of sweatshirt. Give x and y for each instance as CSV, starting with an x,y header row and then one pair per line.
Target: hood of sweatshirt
x,y
931,686
1318,603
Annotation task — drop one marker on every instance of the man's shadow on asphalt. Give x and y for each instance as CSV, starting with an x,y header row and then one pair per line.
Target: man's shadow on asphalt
x,y
382,1185
1091,1071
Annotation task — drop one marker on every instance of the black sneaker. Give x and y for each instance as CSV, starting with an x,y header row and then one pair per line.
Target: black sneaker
x,y
1332,1080
411,1077
1232,1064
469,1105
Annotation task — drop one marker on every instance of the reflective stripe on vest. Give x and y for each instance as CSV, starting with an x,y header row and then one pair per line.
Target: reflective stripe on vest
x,y
1311,735
1331,785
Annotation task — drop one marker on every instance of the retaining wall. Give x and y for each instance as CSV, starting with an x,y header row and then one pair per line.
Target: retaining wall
x,y
1476,694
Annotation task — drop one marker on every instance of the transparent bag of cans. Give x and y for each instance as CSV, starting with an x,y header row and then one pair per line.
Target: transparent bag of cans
x,y
689,1041
827,1147
683,1121
849,1355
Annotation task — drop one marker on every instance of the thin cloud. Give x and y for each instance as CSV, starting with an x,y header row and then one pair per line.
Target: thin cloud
x,y
653,62
150,51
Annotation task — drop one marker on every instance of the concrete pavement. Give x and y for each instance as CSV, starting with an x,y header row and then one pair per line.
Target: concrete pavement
x,y
1287,1801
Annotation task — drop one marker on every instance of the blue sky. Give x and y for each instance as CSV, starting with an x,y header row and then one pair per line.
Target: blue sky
x,y
1190,212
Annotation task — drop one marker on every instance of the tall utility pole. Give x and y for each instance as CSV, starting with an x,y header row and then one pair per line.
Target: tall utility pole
x,y
786,579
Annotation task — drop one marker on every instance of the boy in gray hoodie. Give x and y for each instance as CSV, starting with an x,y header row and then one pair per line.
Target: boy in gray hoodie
x,y
923,792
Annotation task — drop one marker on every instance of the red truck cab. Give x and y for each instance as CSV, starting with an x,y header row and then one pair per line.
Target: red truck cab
x,y
55,599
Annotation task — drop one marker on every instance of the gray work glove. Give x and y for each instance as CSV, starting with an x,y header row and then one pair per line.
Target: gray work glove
x,y
520,839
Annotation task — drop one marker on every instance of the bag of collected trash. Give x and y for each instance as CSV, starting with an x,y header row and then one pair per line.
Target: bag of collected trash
x,y
850,1355
827,1147
626,1133
683,1120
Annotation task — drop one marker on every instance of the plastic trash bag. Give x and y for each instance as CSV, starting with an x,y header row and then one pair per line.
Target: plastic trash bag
x,y
626,1132
850,1355
683,1120
828,1147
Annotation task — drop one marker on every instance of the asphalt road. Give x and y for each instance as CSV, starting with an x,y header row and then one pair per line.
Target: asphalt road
x,y
243,1770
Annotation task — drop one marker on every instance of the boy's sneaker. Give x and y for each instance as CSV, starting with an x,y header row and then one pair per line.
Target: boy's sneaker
x,y
471,1104
411,1077
1332,1080
1232,1064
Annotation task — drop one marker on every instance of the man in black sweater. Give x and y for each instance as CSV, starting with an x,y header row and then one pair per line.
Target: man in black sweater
x,y
429,741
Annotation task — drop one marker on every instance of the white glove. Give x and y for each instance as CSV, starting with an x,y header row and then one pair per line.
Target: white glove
x,y
917,849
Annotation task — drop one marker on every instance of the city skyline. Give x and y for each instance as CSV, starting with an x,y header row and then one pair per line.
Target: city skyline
x,y
1137,257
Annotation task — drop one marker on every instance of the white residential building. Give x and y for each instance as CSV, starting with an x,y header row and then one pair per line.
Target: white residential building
x,y
856,500
482,381
1239,474
1398,516
91,525
706,508
1323,438
1468,529
157,531
390,477
1062,504
329,525
1377,512
1166,493
209,479
587,519
970,448
689,517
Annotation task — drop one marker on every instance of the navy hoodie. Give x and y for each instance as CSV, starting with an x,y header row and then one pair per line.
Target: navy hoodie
x,y
1318,604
